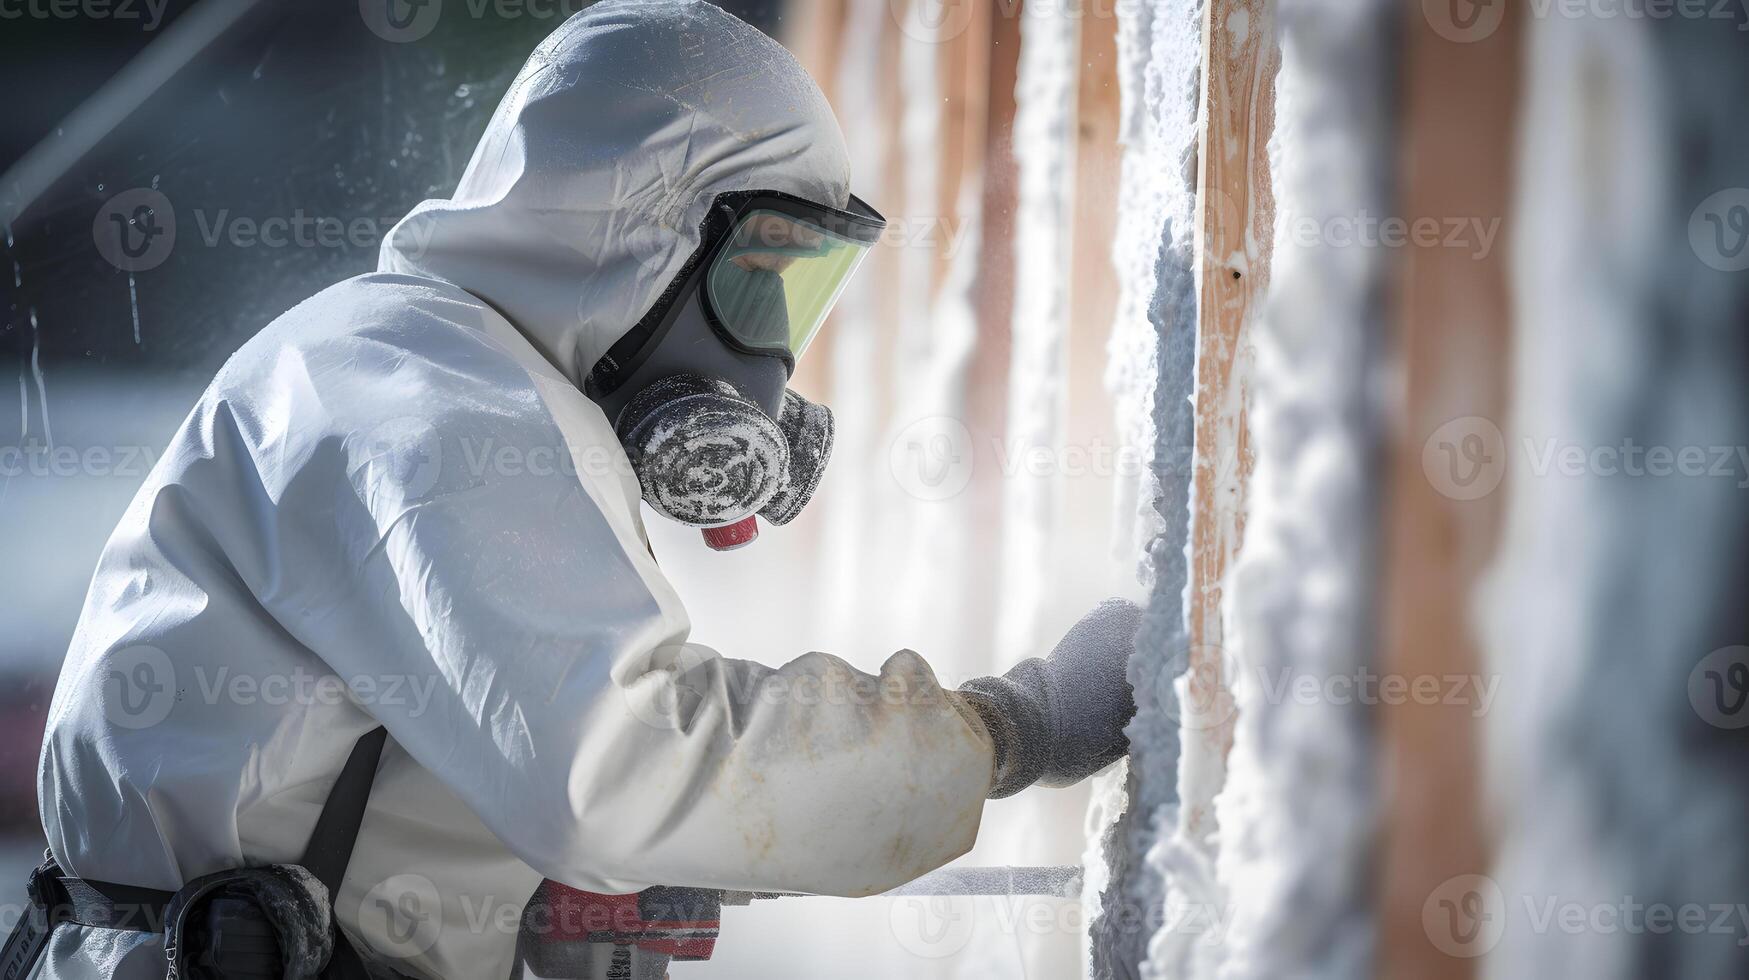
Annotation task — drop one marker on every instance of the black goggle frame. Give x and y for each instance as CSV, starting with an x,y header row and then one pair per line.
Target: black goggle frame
x,y
861,224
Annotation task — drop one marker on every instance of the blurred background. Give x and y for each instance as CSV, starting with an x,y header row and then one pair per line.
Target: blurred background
x,y
284,139
1393,354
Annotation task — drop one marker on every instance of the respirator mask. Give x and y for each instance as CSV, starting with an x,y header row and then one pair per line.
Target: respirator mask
x,y
697,389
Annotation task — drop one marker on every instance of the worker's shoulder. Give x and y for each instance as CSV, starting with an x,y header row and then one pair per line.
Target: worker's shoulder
x,y
421,316
386,332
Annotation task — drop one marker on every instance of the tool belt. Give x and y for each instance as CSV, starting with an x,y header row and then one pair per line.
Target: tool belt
x,y
270,922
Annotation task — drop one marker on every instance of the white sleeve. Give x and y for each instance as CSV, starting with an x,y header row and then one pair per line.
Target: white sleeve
x,y
570,713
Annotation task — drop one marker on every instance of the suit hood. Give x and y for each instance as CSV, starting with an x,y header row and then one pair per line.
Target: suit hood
x,y
585,196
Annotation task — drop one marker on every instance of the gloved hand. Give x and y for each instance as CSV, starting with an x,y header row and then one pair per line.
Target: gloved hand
x,y
1059,720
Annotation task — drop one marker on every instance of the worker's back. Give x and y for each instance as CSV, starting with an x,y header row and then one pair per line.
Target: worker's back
x,y
233,645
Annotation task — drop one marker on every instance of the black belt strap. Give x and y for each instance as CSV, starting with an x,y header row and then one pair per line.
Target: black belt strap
x,y
111,906
56,898
330,847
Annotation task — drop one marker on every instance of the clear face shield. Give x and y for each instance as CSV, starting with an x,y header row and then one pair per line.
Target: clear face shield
x,y
778,275
710,428
765,278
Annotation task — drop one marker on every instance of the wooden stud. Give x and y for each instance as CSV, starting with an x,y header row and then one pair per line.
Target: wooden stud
x,y
1452,341
1235,229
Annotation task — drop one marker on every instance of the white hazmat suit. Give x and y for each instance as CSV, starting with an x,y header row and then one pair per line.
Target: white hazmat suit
x,y
395,506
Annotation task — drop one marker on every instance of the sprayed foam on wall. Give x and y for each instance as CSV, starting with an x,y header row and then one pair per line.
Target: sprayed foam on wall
x,y
1296,816
1153,350
1615,615
1282,890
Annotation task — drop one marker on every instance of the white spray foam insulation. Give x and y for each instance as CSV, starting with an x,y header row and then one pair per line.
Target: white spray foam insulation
x,y
1159,50
1296,816
1153,349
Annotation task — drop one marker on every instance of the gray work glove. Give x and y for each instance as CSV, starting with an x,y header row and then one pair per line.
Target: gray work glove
x,y
1059,720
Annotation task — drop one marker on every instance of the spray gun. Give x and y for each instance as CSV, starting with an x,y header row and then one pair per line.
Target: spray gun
x,y
578,935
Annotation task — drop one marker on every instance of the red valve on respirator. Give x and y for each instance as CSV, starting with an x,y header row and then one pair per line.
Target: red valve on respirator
x,y
737,535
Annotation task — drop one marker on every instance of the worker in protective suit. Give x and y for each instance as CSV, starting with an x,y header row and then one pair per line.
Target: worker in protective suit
x,y
400,536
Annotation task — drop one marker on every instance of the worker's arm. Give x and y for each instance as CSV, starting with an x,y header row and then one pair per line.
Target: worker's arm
x,y
567,709
611,755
